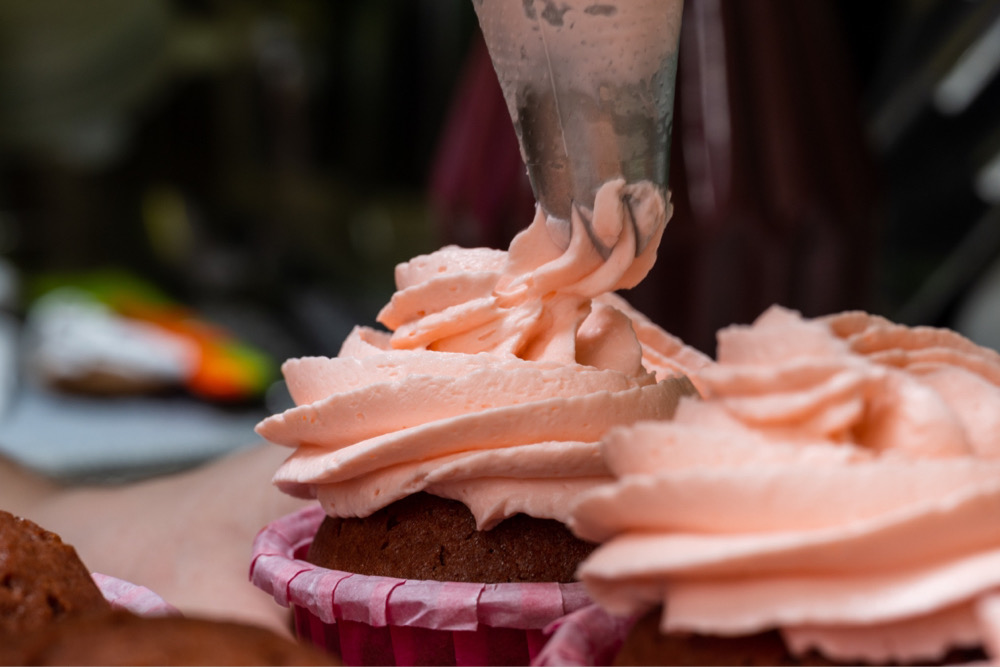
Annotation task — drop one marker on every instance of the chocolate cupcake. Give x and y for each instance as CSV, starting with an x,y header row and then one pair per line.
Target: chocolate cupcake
x,y
41,578
450,449
122,638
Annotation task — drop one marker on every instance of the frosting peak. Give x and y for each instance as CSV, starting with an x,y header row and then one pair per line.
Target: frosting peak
x,y
531,301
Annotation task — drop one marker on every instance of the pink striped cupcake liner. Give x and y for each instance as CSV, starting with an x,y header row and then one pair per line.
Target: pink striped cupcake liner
x,y
588,636
128,596
385,621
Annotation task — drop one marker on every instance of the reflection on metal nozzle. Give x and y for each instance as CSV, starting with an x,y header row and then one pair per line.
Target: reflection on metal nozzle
x,y
589,85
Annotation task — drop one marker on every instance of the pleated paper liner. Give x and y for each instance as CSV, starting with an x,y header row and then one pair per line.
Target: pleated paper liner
x,y
385,621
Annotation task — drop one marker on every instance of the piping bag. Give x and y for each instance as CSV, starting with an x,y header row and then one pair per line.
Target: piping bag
x,y
589,85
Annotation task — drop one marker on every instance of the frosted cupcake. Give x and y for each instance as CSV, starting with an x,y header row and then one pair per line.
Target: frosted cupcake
x,y
484,402
835,498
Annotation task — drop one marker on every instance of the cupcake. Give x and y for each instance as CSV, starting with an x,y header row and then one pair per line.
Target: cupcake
x,y
834,498
54,612
42,579
483,405
122,638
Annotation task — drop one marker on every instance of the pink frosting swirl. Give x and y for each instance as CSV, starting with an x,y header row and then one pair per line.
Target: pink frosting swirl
x,y
500,375
536,301
840,481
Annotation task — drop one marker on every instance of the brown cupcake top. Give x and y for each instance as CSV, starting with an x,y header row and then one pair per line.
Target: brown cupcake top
x,y
41,578
122,638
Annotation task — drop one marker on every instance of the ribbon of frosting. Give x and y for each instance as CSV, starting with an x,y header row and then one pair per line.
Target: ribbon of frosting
x,y
532,301
839,481
497,378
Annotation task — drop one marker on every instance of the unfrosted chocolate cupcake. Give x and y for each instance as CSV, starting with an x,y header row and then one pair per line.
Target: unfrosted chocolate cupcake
x,y
426,537
122,638
41,578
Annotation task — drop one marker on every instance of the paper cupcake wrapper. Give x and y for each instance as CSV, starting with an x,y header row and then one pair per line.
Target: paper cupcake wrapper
x,y
131,597
588,636
381,620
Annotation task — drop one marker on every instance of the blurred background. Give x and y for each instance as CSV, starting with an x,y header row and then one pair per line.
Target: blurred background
x,y
193,190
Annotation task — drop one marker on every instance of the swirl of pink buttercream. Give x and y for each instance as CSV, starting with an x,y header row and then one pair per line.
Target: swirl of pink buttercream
x,y
840,481
497,377
532,301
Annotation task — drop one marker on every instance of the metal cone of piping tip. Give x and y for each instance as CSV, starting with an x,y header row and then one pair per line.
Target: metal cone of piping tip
x,y
589,85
